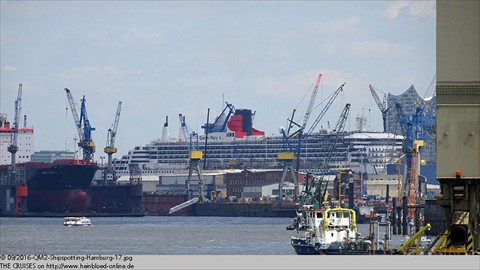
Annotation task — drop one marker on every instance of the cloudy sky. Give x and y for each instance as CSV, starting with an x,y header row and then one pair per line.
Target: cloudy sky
x,y
164,58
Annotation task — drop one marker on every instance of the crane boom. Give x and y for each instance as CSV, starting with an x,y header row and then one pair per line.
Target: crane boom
x,y
316,194
308,112
343,119
382,105
325,109
13,148
183,126
73,109
191,137
302,137
312,101
113,132
87,135
338,129
110,148
288,156
85,132
18,112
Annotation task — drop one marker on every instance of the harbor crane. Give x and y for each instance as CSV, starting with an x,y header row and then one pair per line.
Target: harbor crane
x,y
382,105
85,132
13,148
413,131
194,155
110,148
287,157
190,137
308,112
316,192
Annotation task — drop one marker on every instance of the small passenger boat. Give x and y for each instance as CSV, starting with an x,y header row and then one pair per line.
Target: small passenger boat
x,y
76,221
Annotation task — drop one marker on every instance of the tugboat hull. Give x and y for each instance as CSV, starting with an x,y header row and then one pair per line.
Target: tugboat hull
x,y
302,247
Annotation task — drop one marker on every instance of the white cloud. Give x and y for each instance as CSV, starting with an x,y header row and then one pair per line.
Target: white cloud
x,y
415,8
8,68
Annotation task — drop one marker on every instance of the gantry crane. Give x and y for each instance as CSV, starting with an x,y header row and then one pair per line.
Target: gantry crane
x,y
382,105
110,148
194,155
13,148
85,132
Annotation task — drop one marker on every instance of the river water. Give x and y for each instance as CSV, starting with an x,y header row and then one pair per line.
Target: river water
x,y
153,235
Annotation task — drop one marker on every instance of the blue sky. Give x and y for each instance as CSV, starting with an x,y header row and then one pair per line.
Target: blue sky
x,y
164,58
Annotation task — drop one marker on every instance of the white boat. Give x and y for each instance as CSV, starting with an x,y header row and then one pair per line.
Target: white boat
x,y
76,221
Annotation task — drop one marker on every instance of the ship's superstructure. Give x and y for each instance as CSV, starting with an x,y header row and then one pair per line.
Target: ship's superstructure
x,y
236,144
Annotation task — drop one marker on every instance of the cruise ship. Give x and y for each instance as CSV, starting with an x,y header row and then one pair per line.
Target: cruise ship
x,y
231,142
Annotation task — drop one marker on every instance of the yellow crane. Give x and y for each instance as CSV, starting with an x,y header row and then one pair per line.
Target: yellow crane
x,y
110,148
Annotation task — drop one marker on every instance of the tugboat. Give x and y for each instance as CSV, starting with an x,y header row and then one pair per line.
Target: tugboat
x,y
325,227
326,230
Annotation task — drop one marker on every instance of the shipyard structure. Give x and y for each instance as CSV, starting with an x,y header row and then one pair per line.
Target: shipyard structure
x,y
237,164
231,162
240,165
56,183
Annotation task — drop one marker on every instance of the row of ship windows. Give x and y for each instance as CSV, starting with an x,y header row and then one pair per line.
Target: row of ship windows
x,y
154,154
217,154
305,160
225,146
173,160
228,157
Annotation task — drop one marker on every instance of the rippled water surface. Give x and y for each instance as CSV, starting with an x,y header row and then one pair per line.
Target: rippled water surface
x,y
151,235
